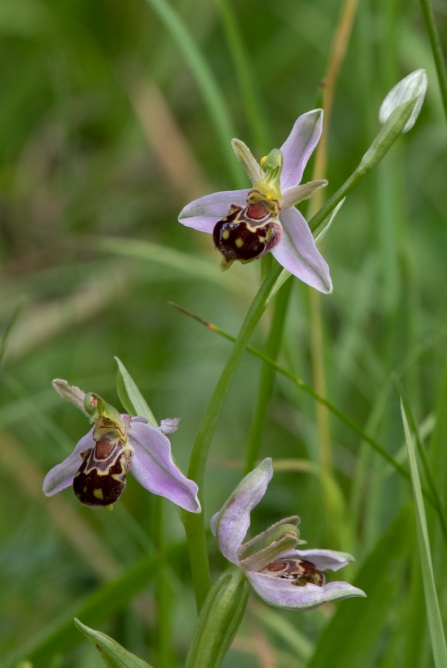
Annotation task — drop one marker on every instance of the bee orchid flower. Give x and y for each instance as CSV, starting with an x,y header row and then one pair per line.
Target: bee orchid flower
x,y
282,575
118,444
246,224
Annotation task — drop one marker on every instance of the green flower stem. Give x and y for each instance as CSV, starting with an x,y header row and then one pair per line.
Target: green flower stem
x,y
380,146
436,48
267,376
194,524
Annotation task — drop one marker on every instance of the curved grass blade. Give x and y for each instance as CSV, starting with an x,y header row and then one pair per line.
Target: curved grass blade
x,y
435,626
113,654
425,463
206,82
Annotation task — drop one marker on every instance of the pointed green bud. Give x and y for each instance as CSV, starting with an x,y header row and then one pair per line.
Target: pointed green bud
x,y
413,86
219,620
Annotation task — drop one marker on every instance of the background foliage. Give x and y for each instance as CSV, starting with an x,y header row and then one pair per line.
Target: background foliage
x,y
105,134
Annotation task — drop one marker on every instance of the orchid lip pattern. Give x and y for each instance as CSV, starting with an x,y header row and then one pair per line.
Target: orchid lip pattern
x,y
282,575
118,444
248,223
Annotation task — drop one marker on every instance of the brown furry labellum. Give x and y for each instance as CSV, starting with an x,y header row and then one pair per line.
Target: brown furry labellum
x,y
246,233
101,478
299,571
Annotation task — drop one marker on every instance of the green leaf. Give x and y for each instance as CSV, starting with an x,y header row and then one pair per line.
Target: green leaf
x,y
351,637
130,396
113,654
431,598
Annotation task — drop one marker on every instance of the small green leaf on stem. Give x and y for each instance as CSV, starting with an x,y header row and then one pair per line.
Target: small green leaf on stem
x,y
130,396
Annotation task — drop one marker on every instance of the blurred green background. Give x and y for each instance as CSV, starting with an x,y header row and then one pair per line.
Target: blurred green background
x,y
104,137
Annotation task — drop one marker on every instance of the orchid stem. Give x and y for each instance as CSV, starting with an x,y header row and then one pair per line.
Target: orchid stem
x,y
267,376
194,523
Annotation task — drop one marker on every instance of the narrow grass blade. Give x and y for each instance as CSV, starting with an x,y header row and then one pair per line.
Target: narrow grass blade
x,y
206,82
427,469
113,654
431,598
130,396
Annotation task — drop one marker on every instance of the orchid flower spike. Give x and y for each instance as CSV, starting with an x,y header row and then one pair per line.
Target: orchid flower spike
x,y
117,444
246,224
282,575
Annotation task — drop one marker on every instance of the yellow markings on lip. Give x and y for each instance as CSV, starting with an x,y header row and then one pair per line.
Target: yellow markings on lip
x,y
225,234
239,242
98,494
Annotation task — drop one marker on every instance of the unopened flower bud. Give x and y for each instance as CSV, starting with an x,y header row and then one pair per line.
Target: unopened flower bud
x,y
413,86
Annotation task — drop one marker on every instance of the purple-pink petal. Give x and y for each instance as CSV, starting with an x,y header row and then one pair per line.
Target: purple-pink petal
x,y
323,560
153,467
61,476
231,523
283,594
202,214
298,254
299,146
